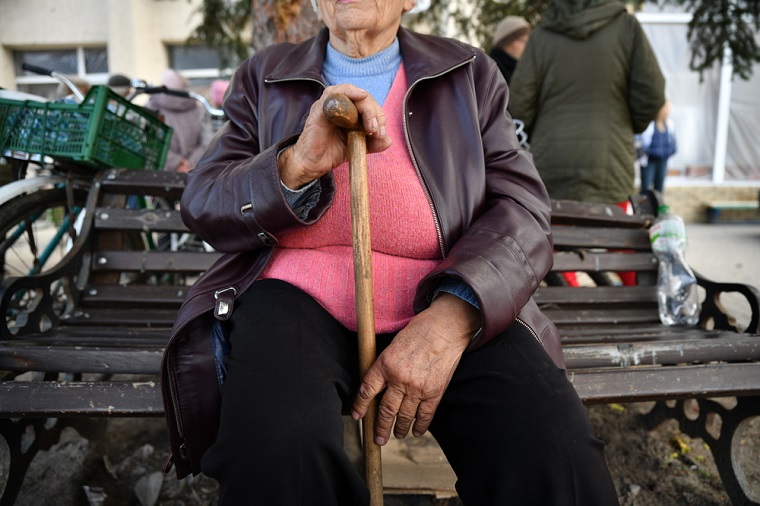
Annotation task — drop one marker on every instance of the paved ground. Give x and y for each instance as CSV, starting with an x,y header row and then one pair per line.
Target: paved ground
x,y
726,253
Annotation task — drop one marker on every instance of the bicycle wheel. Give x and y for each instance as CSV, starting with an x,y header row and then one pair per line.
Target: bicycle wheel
x,y
36,230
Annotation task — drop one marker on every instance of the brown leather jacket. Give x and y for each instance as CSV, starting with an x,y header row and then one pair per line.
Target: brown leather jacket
x,y
490,206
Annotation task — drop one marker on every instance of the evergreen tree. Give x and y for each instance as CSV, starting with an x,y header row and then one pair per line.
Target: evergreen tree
x,y
224,24
716,25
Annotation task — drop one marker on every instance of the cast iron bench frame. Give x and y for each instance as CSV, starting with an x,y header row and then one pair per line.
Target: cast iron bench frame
x,y
98,355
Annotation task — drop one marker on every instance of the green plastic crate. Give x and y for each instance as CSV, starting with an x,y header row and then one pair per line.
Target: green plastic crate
x,y
103,131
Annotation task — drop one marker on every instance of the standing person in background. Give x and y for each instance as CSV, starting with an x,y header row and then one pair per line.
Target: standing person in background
x,y
186,117
217,89
509,40
216,92
659,143
587,81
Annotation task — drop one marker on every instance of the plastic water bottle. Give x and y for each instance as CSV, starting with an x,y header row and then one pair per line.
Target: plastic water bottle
x,y
677,295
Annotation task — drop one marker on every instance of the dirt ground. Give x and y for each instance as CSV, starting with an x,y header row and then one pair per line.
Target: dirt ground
x,y
657,467
122,466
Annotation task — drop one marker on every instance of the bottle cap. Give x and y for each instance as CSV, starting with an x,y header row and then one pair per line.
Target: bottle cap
x,y
663,209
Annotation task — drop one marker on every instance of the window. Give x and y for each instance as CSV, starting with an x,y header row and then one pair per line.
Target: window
x,y
199,64
89,63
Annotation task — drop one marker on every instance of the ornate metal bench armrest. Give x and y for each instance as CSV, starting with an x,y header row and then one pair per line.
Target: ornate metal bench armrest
x,y
713,310
35,304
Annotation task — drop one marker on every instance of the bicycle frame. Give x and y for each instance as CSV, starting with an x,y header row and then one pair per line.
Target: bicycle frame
x,y
25,188
42,259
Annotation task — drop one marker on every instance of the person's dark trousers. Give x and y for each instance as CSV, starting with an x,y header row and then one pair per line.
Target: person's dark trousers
x,y
653,174
510,423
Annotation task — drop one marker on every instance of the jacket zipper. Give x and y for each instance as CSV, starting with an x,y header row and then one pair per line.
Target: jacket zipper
x,y
405,113
177,419
436,218
289,79
533,332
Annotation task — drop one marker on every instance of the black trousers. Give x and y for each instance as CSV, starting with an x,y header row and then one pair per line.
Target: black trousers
x,y
510,423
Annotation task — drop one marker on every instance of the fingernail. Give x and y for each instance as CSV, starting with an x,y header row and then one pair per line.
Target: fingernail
x,y
382,131
380,440
416,434
374,124
355,415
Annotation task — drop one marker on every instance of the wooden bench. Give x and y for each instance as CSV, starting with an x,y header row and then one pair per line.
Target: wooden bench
x,y
84,341
744,209
618,351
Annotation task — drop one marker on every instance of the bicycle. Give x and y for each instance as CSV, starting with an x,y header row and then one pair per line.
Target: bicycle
x,y
54,151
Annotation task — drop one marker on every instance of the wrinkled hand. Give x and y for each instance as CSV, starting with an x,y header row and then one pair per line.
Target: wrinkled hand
x,y
322,146
416,368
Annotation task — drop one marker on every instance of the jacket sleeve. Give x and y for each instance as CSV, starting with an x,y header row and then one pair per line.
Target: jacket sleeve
x,y
507,249
233,199
646,83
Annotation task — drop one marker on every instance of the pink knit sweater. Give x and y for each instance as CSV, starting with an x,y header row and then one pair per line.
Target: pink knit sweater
x,y
319,259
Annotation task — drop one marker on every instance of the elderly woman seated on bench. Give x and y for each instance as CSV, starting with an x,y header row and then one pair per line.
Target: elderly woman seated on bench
x,y
461,240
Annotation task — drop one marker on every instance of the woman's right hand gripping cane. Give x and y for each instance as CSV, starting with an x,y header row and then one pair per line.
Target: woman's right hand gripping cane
x,y
322,145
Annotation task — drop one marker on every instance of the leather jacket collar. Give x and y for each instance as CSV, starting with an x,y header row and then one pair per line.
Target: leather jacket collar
x,y
429,60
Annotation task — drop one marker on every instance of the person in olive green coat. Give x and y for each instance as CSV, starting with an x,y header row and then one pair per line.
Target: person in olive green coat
x,y
587,81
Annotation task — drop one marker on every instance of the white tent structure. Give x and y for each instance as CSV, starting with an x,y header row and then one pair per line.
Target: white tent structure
x,y
717,118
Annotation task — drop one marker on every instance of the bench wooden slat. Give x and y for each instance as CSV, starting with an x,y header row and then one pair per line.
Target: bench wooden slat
x,y
95,359
35,399
92,335
123,360
591,261
154,220
654,331
80,399
135,294
566,237
595,295
131,317
130,182
734,204
585,213
609,316
660,383
77,359
736,348
154,261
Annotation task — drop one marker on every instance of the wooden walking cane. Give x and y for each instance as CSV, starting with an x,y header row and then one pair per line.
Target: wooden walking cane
x,y
342,112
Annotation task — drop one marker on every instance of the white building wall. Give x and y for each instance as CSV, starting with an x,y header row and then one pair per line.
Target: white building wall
x,y
135,31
